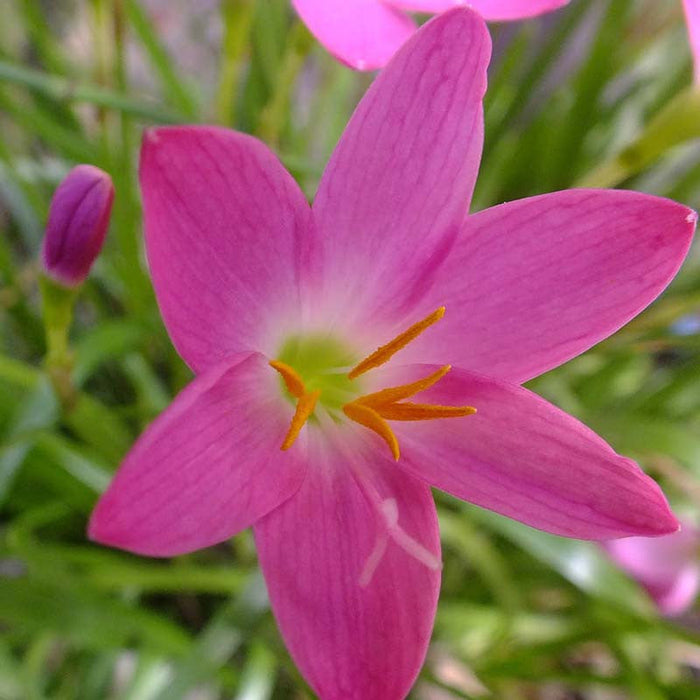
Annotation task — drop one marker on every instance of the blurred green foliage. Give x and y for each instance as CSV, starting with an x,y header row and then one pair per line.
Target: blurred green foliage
x,y
522,614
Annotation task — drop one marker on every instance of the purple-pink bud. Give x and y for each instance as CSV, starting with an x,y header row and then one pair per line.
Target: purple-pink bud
x,y
77,225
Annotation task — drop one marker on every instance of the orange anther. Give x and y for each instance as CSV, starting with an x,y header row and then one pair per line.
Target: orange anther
x,y
397,393
292,380
385,352
364,415
374,410
305,407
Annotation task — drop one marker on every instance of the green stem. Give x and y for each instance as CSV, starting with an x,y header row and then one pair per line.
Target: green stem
x,y
175,88
273,117
237,16
58,304
63,89
121,149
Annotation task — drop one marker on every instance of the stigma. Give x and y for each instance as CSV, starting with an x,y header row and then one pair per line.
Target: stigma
x,y
374,410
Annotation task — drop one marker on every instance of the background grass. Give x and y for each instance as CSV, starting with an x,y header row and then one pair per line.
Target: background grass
x,y
522,614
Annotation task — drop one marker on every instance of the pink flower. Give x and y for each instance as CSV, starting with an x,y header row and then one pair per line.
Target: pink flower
x,y
668,567
692,16
274,304
365,34
77,225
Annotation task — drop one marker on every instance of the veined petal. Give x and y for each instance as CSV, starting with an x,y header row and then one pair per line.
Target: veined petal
x,y
228,236
364,34
354,606
692,16
400,180
491,10
522,457
532,283
207,468
668,567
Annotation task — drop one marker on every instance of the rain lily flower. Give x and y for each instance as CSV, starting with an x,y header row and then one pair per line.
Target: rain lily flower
x,y
667,567
365,34
692,16
77,225
317,329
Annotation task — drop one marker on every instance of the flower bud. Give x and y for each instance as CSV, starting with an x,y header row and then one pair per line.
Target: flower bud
x,y
77,225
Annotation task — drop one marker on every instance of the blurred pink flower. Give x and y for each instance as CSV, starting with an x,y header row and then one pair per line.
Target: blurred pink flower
x,y
253,284
365,34
692,16
77,225
667,567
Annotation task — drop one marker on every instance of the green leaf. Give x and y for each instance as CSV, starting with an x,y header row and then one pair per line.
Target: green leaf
x,y
82,617
178,92
582,563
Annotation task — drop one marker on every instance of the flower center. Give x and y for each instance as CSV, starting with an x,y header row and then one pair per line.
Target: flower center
x,y
315,369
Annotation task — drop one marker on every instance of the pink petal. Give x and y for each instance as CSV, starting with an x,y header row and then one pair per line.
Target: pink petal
x,y
363,34
227,235
399,183
207,468
692,15
524,458
668,567
356,619
491,10
533,283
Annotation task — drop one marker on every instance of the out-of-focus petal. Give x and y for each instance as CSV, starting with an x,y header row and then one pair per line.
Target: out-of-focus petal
x,y
533,283
228,236
491,10
364,34
668,567
354,607
399,183
692,15
207,468
522,457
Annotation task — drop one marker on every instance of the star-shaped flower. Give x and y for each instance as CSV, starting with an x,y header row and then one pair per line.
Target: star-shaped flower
x,y
317,330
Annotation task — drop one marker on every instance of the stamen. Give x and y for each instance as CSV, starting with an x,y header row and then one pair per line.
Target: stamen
x,y
422,411
305,407
397,393
292,380
373,410
385,352
364,415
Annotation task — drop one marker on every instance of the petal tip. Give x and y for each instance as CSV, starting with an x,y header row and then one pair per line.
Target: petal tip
x,y
150,140
151,136
155,136
152,133
362,64
667,524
